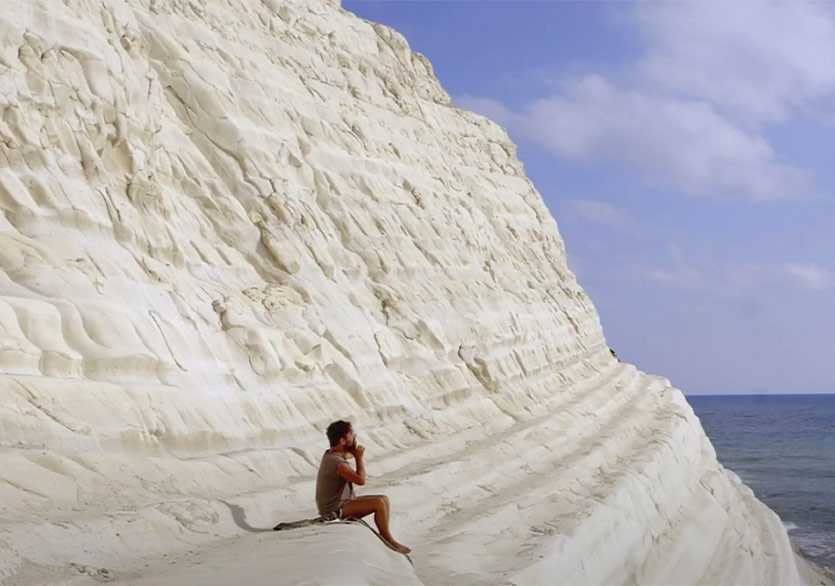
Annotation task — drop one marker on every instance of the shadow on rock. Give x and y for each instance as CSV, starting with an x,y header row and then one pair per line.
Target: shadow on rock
x,y
239,517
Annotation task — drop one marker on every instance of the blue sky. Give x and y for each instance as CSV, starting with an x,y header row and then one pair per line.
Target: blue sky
x,y
684,150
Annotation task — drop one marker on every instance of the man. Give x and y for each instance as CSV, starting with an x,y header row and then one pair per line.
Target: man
x,y
336,480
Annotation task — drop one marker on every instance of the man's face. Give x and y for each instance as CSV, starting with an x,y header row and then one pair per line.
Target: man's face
x,y
350,440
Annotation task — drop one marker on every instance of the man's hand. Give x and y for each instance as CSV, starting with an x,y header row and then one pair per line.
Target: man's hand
x,y
348,473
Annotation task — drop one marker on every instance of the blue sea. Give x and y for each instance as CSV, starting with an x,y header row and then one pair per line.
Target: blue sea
x,y
783,447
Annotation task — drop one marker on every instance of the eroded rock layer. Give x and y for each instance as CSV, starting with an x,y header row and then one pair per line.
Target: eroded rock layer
x,y
226,224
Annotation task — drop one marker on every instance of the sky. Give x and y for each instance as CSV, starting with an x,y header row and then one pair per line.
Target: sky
x,y
685,151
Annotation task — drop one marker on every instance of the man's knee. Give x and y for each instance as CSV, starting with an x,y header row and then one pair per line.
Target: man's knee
x,y
380,503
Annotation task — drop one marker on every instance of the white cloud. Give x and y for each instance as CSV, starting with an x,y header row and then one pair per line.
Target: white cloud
x,y
492,109
810,275
758,59
692,117
601,212
682,143
730,279
719,279
689,279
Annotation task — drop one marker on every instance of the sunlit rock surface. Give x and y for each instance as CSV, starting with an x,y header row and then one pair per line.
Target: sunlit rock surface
x,y
226,224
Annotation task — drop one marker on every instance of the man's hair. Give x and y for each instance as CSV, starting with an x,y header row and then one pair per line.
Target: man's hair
x,y
337,430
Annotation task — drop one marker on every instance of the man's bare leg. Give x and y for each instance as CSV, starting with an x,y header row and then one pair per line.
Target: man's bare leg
x,y
379,505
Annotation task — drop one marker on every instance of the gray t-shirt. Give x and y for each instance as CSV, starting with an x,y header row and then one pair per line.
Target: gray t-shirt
x,y
331,489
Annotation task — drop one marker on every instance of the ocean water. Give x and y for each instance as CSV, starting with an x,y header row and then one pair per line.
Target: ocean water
x,y
783,447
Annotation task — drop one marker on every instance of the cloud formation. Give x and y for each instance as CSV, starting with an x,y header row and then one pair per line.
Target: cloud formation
x,y
692,119
810,276
684,144
602,212
731,279
757,59
492,109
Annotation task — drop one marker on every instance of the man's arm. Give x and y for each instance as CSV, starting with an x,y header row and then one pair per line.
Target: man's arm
x,y
346,472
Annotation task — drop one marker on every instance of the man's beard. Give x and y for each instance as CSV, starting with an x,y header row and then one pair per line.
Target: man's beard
x,y
350,447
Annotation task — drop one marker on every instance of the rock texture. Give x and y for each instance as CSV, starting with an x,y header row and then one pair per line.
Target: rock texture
x,y
227,223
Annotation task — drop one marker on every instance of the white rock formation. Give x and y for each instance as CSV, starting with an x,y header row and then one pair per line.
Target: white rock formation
x,y
228,222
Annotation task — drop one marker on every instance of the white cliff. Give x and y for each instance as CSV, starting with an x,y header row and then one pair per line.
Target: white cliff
x,y
226,223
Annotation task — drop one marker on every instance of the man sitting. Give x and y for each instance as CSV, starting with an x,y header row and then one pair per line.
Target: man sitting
x,y
336,480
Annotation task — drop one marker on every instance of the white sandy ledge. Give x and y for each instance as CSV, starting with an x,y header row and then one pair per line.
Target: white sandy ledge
x,y
600,488
335,554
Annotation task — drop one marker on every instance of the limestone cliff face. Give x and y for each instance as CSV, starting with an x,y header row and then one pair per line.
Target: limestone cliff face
x,y
227,223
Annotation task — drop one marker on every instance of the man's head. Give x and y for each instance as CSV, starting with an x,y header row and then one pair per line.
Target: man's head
x,y
340,433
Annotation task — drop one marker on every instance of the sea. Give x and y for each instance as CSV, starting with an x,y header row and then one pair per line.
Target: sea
x,y
783,448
